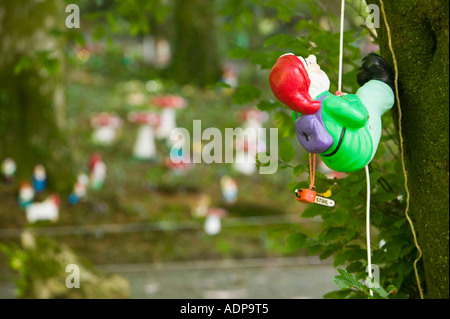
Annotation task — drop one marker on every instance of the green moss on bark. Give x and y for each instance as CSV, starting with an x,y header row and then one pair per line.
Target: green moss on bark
x,y
420,39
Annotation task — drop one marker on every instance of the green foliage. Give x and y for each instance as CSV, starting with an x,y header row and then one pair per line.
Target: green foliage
x,y
342,234
41,264
348,282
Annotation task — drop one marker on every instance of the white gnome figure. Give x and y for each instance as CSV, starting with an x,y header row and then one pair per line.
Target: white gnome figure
x,y
246,150
229,189
213,224
230,75
201,206
163,53
254,120
98,172
9,167
46,210
80,189
26,195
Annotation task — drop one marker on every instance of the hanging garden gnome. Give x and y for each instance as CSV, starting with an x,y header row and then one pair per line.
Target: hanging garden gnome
x,y
8,169
344,129
39,178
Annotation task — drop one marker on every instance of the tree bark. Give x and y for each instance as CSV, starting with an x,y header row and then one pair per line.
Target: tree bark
x,y
420,38
32,97
195,58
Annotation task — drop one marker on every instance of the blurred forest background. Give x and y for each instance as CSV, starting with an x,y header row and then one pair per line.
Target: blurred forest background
x,y
217,56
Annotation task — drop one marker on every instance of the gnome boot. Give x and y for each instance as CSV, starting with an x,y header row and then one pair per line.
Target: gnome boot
x,y
374,67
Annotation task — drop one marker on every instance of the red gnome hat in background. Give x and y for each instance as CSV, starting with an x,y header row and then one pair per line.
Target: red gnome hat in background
x,y
290,83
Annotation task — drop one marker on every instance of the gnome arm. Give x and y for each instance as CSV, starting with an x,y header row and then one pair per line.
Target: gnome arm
x,y
347,110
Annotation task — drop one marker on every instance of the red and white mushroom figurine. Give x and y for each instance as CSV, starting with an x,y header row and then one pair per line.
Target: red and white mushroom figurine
x,y
105,127
169,104
144,147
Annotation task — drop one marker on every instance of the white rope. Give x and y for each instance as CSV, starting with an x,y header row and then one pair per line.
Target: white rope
x,y
341,55
341,45
369,258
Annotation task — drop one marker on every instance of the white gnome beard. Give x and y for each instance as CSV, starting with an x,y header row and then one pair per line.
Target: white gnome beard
x,y
319,83
27,194
40,175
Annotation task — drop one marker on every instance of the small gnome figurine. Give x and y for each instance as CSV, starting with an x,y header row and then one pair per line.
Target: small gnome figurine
x,y
98,171
39,178
79,189
245,155
229,189
26,195
8,169
201,207
213,223
230,75
46,210
254,119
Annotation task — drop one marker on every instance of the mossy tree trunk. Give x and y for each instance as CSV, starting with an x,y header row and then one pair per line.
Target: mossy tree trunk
x,y
195,57
420,38
32,90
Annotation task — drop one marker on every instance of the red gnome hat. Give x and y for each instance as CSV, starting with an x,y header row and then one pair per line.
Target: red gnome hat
x,y
290,83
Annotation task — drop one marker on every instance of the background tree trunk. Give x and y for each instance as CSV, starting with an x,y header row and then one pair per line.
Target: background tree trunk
x,y
420,38
195,57
32,90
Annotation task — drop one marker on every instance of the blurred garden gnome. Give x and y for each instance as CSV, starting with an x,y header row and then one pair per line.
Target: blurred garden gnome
x,y
229,189
46,210
163,53
80,189
213,223
8,169
98,171
230,77
246,150
254,119
344,129
201,206
26,195
39,178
